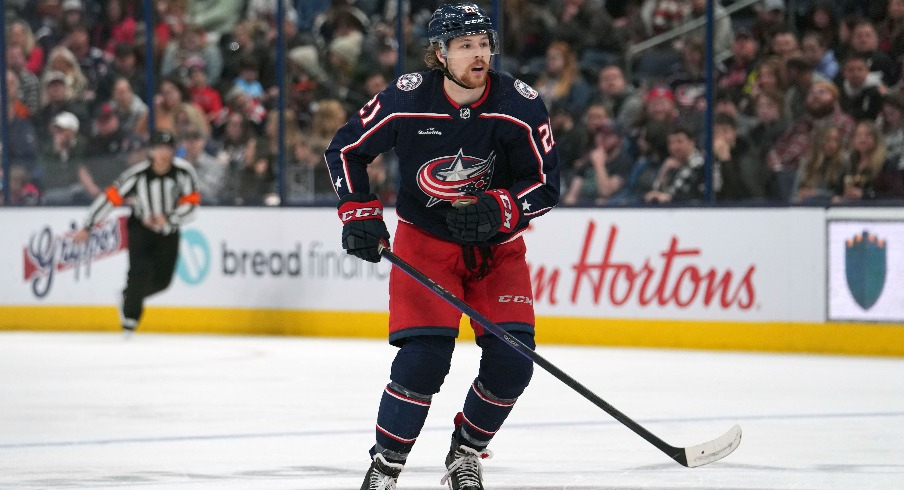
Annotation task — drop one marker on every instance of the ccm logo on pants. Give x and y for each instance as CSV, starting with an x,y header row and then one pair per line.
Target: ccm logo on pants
x,y
508,298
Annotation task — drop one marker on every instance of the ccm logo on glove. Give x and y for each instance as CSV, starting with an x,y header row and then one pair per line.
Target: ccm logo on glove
x,y
507,209
353,211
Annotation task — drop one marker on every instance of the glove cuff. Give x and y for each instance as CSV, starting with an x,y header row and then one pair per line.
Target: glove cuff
x,y
358,207
508,209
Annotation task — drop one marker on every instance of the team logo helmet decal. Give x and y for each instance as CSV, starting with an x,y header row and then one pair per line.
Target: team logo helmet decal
x,y
525,90
409,82
448,177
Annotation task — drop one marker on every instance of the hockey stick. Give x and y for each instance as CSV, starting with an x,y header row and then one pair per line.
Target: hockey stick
x,y
690,457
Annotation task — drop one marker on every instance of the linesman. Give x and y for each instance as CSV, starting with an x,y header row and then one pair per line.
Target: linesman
x,y
163,194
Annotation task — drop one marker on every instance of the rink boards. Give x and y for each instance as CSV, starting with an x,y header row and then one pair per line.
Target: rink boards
x,y
794,280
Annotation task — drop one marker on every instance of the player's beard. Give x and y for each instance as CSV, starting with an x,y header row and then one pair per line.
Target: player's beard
x,y
475,79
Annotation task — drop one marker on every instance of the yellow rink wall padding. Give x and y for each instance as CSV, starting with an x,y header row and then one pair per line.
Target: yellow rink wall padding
x,y
825,338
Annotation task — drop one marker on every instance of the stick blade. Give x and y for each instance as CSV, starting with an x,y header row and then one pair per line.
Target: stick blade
x,y
714,450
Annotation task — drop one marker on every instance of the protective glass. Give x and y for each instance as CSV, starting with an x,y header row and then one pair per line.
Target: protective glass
x,y
472,46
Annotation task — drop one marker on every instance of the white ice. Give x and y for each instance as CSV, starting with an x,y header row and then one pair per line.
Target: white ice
x,y
226,412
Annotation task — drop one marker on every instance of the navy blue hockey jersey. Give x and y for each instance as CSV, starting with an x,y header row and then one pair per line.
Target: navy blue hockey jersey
x,y
502,141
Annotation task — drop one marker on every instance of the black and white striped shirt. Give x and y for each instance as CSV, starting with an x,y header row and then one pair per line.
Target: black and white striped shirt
x,y
174,195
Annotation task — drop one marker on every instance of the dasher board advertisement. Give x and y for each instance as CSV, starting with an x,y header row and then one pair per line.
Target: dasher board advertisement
x,y
866,270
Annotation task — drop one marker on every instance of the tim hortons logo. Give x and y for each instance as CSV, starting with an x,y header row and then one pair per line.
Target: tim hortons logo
x,y
673,277
48,253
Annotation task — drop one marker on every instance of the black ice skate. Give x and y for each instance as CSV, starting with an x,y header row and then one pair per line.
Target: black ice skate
x,y
464,469
382,475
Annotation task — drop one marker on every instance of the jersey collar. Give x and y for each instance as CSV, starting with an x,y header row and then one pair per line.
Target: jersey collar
x,y
486,93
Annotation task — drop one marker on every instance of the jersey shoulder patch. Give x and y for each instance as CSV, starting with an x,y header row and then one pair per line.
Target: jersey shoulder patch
x,y
409,81
525,90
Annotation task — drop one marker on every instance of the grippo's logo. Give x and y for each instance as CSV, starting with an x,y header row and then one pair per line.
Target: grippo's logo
x,y
48,253
865,268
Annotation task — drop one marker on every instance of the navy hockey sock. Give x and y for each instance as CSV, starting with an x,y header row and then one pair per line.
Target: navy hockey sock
x,y
504,374
418,371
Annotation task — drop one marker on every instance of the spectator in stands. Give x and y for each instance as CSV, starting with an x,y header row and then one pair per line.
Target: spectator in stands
x,y
799,75
603,170
44,21
72,16
57,97
244,42
661,16
891,124
867,175
588,30
621,99
651,149
770,18
190,44
252,110
735,71
561,81
743,175
770,124
861,94
62,60
22,135
117,27
236,141
659,105
212,174
19,34
256,181
247,80
270,139
784,44
216,17
765,78
60,163
124,64
822,20
344,53
681,177
202,94
571,138
330,116
865,41
29,84
818,54
821,168
527,26
170,22
687,82
171,94
784,158
131,111
92,61
106,151
722,30
891,30
308,178
22,191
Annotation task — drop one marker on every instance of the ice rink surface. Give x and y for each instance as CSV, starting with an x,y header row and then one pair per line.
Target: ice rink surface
x,y
223,412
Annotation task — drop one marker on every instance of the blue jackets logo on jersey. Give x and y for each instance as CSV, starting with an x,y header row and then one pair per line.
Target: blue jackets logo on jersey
x,y
409,82
526,90
448,177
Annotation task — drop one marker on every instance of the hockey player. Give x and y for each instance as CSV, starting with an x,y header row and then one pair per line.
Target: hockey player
x,y
459,130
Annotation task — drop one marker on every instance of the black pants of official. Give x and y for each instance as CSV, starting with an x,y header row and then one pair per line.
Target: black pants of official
x,y
152,262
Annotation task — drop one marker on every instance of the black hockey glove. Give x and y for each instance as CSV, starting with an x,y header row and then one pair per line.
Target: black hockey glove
x,y
363,228
490,213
